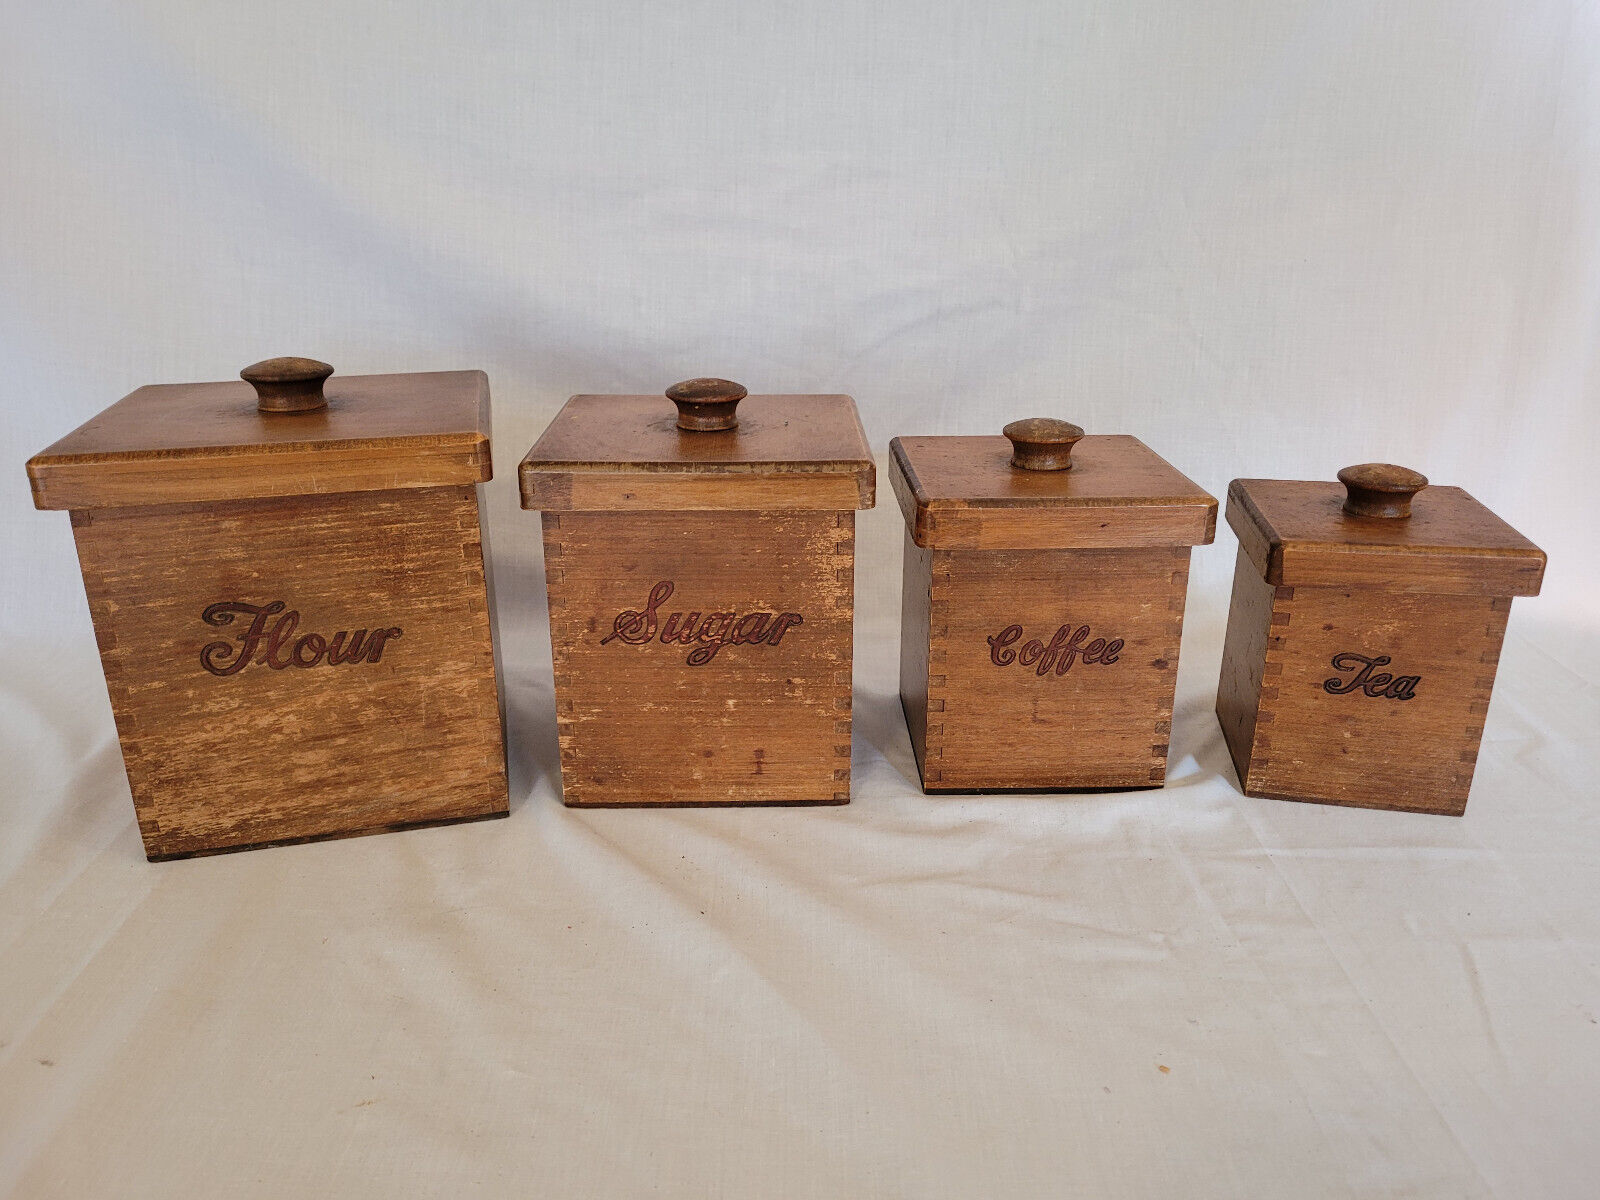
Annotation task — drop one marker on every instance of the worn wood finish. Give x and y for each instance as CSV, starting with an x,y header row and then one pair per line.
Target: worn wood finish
x,y
290,385
1042,607
644,492
1042,443
1298,534
192,442
286,746
991,722
628,453
1361,649
707,405
766,720
1380,490
700,557
286,575
961,493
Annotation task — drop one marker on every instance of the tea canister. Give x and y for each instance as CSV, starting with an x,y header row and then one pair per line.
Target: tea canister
x,y
287,582
699,553
1363,637
1042,606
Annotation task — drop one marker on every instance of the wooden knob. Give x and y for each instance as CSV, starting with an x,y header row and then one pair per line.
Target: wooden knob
x,y
1380,490
705,405
288,385
1042,443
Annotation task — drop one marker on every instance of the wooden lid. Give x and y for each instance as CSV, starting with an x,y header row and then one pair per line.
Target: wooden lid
x,y
1045,486
1380,526
706,444
288,430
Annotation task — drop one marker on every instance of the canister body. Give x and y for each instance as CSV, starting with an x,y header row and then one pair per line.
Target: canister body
x,y
702,657
1041,670
288,669
1358,696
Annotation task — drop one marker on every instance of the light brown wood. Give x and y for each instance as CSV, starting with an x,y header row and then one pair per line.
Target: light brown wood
x,y
1042,668
700,559
762,723
177,443
962,493
235,756
1361,650
627,453
1000,726
291,602
644,492
1298,534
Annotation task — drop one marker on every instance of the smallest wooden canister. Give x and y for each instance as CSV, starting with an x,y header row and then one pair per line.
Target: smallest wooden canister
x,y
1042,606
1364,635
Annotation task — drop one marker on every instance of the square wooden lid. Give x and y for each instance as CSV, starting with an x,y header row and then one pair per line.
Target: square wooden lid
x,y
1380,527
620,453
193,442
965,493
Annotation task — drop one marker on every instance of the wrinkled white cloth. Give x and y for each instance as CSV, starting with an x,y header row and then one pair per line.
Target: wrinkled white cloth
x,y
1269,241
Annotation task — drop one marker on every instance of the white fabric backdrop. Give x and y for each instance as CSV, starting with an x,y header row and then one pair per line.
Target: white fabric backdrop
x,y
1269,239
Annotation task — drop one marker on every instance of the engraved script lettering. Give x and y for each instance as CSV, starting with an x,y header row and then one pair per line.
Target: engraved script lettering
x,y
1066,646
1369,679
277,647
707,634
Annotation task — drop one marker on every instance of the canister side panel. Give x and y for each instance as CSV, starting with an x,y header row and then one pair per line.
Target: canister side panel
x,y
1244,662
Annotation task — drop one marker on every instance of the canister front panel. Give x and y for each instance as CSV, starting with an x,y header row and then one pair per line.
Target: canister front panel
x,y
1373,698
702,657
298,668
1048,669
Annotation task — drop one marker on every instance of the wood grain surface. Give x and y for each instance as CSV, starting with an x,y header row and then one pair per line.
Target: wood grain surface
x,y
1361,650
257,748
983,724
764,721
963,493
183,443
1042,606
1298,534
627,453
1299,742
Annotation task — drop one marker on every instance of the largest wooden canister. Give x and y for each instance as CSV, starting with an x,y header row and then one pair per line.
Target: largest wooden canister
x,y
287,582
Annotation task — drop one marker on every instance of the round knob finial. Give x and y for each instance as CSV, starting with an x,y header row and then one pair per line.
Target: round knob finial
x,y
288,385
706,405
1380,490
1042,443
